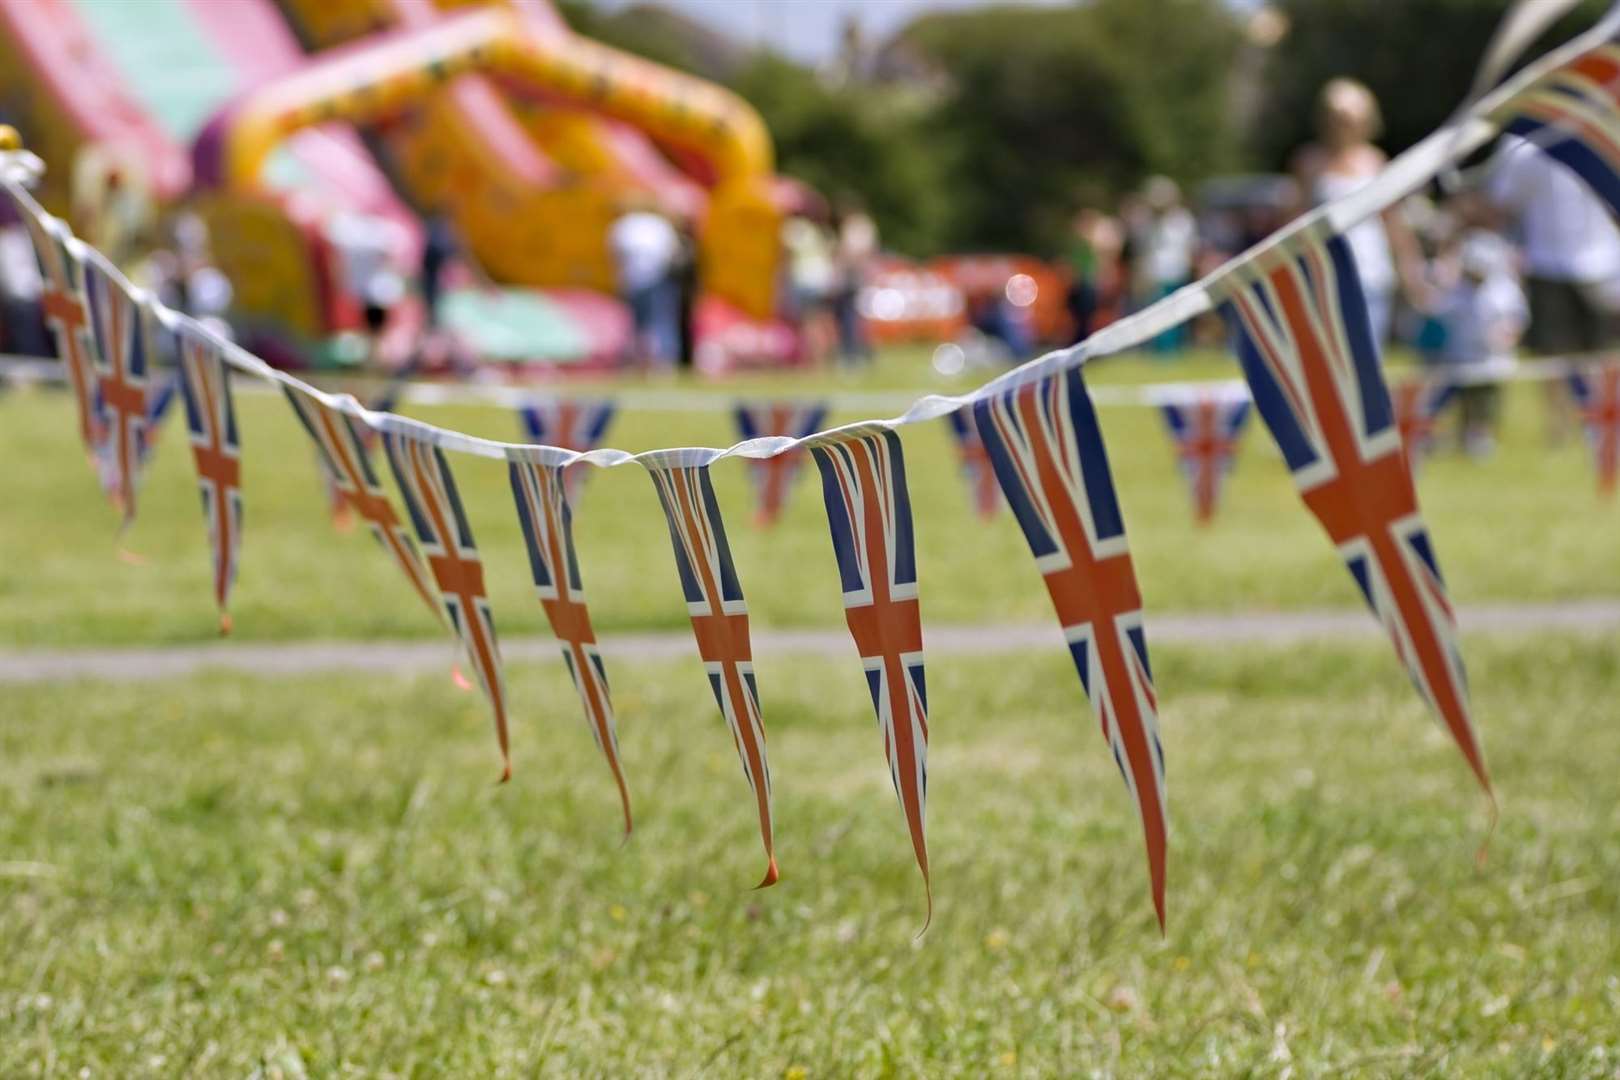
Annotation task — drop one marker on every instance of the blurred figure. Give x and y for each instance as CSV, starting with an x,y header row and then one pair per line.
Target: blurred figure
x,y
439,248
368,247
687,282
1571,257
1169,240
22,323
1343,160
857,246
812,282
1481,314
1095,241
645,248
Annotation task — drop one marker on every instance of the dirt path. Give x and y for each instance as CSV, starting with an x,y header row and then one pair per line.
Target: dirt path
x,y
298,658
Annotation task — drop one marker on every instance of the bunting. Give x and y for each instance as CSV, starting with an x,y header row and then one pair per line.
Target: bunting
x,y
217,450
123,337
714,601
569,424
863,483
67,317
1573,113
1418,403
975,460
1206,428
548,533
1047,450
1597,396
341,449
337,504
434,508
773,476
1305,340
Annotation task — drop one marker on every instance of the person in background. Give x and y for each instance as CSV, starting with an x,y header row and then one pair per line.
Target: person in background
x,y
688,287
22,324
439,248
1481,313
812,269
1571,257
1343,160
857,246
1094,245
645,249
1169,240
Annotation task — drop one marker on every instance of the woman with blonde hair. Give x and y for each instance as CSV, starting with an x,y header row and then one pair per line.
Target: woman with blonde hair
x,y
1342,160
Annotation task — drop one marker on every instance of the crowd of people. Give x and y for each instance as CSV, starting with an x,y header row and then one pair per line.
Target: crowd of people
x,y
1521,253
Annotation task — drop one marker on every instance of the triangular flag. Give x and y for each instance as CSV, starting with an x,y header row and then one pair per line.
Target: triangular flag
x,y
773,476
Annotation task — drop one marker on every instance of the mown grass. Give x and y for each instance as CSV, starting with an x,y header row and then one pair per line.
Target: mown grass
x,y
1524,525
319,876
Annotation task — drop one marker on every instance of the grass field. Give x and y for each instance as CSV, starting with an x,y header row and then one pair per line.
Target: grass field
x,y
1519,527
318,876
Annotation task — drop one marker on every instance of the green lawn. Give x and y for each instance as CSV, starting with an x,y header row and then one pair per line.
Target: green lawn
x,y
1523,526
202,876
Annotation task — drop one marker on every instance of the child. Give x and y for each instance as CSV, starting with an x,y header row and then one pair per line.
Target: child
x,y
1482,313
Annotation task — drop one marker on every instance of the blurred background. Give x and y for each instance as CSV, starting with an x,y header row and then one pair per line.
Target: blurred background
x,y
530,188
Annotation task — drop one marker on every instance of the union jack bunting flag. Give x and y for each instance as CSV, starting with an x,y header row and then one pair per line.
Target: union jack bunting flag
x,y
863,483
548,533
1047,451
161,391
981,477
1305,340
1418,404
568,424
714,601
340,447
773,476
1206,429
335,500
67,317
1573,113
123,350
434,508
1597,396
217,449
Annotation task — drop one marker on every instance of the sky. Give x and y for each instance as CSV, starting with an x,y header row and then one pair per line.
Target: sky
x,y
807,30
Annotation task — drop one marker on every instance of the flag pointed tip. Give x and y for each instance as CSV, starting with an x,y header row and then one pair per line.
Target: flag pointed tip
x,y
459,679
225,624
928,897
506,771
772,875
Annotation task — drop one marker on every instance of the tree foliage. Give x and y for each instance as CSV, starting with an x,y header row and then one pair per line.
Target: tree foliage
x,y
1417,56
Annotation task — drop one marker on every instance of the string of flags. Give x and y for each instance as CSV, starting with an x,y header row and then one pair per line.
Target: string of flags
x,y
1303,339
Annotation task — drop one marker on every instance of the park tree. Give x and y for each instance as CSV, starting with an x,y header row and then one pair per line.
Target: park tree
x,y
1417,56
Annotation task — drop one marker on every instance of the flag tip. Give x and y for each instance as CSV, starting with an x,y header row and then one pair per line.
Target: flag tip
x,y
772,876
225,624
458,678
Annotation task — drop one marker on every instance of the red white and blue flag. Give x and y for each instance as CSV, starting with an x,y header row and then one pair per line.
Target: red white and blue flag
x,y
1206,427
1418,404
1573,114
217,449
714,601
975,460
773,476
1048,454
1306,344
123,354
1597,396
863,483
434,508
568,424
548,533
67,316
336,502
340,446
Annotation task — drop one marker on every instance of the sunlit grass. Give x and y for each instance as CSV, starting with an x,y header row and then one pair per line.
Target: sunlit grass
x,y
321,875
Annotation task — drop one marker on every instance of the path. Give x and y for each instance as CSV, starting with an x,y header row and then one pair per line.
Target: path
x,y
300,658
